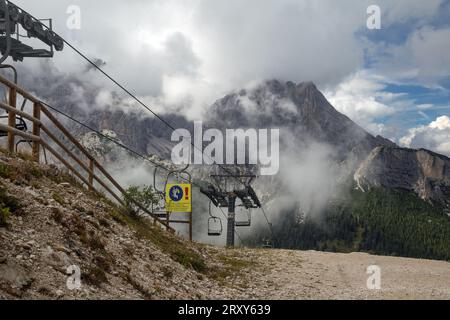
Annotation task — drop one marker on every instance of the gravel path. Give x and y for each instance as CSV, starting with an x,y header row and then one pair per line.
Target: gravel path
x,y
283,274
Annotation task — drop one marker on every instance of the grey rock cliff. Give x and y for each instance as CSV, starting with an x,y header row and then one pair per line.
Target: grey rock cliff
x,y
424,172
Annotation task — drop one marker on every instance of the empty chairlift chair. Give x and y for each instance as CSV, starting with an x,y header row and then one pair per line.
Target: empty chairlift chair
x,y
215,227
245,223
267,244
20,123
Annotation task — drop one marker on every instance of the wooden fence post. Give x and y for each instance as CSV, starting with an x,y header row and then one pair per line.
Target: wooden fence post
x,y
12,119
91,174
36,131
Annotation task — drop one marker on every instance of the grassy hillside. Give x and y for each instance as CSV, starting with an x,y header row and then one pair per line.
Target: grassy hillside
x,y
386,222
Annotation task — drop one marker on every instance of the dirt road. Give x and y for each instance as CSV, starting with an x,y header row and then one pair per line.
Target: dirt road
x,y
282,274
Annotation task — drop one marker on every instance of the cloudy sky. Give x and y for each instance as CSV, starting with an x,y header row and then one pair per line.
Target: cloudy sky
x,y
394,81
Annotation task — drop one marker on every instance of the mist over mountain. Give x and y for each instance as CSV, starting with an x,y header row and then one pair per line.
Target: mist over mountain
x,y
301,112
325,157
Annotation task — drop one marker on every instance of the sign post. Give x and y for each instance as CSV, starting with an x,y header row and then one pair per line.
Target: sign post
x,y
179,199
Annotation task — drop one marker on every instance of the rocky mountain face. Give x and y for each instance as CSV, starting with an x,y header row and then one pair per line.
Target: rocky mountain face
x,y
421,171
82,100
300,111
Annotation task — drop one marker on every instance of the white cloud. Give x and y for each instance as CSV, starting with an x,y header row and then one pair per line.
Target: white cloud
x,y
424,58
183,55
434,136
213,47
401,10
362,99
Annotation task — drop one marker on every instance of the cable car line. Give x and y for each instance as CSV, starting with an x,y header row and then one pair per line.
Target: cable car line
x,y
156,165
140,102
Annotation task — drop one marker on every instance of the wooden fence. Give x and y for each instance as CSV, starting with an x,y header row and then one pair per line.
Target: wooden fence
x,y
88,168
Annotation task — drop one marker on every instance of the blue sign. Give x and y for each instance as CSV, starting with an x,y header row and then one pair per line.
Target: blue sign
x,y
176,193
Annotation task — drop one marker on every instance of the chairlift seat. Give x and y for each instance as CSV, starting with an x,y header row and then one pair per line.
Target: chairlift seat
x,y
243,224
215,231
21,125
160,214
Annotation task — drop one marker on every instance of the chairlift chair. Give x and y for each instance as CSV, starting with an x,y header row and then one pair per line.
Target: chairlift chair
x,y
267,244
20,124
245,223
216,197
215,227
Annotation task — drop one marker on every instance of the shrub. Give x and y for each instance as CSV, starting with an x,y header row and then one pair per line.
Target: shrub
x,y
4,216
58,198
8,205
5,171
142,195
7,201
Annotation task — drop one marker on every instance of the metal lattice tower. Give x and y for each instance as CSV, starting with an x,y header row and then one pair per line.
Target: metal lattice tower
x,y
230,187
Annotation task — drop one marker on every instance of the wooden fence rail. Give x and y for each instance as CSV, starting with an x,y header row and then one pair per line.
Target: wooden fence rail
x,y
37,141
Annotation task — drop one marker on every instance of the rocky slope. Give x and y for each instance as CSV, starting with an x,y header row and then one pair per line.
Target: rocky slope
x,y
48,223
421,171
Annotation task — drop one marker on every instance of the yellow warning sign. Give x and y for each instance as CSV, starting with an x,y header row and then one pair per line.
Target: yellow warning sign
x,y
179,197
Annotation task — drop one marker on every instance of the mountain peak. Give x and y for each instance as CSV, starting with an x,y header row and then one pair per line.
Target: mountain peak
x,y
300,109
277,86
306,85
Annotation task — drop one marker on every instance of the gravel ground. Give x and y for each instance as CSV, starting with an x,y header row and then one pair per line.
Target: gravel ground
x,y
283,274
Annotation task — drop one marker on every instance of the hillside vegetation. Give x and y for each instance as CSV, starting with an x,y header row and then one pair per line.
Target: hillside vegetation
x,y
380,221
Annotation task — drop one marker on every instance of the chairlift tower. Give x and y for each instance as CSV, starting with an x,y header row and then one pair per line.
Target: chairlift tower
x,y
230,187
15,25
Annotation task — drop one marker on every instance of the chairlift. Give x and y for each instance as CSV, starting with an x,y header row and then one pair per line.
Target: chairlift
x,y
215,227
248,197
20,123
268,244
159,192
245,223
177,173
215,196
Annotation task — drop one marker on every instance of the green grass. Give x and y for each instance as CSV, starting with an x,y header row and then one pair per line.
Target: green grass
x,y
232,266
5,171
58,198
4,216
